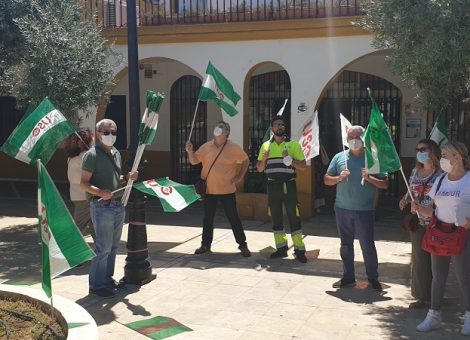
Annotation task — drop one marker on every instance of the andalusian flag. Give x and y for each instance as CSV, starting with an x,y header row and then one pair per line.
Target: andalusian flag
x,y
38,135
63,246
381,155
217,88
173,196
148,126
438,132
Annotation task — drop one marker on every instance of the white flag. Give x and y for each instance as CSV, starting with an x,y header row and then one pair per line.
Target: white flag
x,y
345,126
309,137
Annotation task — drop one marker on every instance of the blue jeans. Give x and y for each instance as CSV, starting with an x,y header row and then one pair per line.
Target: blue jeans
x,y
108,218
353,223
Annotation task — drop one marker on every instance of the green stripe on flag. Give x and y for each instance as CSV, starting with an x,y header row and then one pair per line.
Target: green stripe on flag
x,y
439,131
159,327
148,125
217,88
63,246
38,134
173,196
381,155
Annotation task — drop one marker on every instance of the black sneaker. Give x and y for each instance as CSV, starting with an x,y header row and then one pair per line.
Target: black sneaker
x,y
244,250
344,283
279,253
103,292
202,249
376,285
116,285
300,255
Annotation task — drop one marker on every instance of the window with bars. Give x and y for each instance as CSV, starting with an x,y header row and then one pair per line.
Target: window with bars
x,y
267,94
183,99
348,95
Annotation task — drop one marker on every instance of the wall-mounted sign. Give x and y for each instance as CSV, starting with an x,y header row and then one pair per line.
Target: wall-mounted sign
x,y
413,128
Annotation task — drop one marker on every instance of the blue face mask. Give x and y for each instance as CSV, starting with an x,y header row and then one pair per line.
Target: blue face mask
x,y
422,157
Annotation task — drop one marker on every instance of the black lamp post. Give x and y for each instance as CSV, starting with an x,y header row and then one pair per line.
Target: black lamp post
x,y
137,269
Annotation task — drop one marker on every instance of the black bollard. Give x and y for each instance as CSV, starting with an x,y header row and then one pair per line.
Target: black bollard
x,y
138,269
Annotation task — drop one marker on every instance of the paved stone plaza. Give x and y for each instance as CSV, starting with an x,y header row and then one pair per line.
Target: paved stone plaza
x,y
225,296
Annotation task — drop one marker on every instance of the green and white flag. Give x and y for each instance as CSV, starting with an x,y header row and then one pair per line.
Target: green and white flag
x,y
438,132
381,155
149,123
217,88
173,196
63,246
38,135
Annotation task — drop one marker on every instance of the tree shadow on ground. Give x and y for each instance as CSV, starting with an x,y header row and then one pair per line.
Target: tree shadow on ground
x,y
21,254
396,320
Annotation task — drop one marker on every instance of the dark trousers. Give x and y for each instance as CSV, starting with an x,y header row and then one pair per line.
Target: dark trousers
x,y
280,193
421,274
230,207
353,223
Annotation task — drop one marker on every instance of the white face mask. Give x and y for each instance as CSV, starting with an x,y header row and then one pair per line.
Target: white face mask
x,y
445,165
218,131
355,144
108,140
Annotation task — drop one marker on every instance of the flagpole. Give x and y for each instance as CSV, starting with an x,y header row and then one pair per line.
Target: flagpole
x,y
194,120
408,187
39,201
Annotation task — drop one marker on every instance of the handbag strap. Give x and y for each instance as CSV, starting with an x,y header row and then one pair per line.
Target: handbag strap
x,y
119,171
223,146
421,194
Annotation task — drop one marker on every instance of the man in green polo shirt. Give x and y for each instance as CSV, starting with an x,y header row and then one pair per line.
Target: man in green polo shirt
x,y
101,175
279,158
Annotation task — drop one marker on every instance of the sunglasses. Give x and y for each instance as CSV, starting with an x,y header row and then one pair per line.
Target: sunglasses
x,y
106,133
423,149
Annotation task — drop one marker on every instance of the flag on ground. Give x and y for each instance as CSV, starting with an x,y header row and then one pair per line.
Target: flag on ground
x,y
38,135
217,88
381,155
309,137
173,196
438,132
63,246
345,126
149,123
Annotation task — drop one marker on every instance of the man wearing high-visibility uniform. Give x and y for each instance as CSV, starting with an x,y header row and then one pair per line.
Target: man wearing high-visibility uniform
x,y
279,158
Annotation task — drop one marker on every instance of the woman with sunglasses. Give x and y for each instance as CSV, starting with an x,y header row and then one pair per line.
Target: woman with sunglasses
x,y
422,178
453,208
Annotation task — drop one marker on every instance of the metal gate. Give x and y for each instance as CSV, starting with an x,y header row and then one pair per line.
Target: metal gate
x,y
348,95
10,116
457,120
183,99
268,91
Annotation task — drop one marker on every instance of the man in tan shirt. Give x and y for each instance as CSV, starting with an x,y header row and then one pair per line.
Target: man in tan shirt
x,y
221,183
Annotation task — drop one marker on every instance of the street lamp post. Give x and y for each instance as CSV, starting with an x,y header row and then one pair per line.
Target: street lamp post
x,y
137,269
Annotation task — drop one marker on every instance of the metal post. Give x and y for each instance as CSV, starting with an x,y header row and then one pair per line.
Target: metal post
x,y
137,269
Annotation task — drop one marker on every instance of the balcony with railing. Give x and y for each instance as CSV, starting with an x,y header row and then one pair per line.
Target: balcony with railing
x,y
113,13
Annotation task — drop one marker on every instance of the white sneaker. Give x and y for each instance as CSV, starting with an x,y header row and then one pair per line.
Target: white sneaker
x,y
433,320
466,324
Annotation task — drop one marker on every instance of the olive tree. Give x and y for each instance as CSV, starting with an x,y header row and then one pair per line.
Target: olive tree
x,y
429,45
50,50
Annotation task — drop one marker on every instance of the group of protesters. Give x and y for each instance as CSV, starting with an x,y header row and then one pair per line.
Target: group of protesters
x,y
439,182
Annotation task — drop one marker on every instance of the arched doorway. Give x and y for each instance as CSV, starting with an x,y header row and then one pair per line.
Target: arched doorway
x,y
267,93
183,99
348,95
